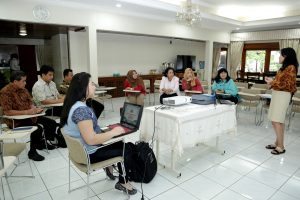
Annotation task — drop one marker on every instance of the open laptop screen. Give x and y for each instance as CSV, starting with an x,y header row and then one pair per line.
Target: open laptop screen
x,y
132,114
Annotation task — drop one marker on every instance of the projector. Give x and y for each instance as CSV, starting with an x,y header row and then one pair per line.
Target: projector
x,y
176,101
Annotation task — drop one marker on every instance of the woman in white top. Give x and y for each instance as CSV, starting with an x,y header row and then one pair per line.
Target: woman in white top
x,y
169,85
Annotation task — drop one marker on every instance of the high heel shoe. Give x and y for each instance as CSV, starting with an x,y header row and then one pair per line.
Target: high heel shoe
x,y
109,174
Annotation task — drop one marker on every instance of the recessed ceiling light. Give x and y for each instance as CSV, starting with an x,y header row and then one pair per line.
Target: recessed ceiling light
x,y
118,5
237,28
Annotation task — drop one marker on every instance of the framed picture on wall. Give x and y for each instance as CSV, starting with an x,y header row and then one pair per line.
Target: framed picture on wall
x,y
201,64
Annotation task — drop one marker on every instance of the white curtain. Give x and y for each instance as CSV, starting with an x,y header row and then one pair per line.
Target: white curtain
x,y
216,60
40,55
236,51
293,43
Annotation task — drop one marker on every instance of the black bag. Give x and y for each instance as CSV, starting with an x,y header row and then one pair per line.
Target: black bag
x,y
141,162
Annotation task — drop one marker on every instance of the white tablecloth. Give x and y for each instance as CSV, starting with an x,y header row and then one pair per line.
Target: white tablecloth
x,y
188,125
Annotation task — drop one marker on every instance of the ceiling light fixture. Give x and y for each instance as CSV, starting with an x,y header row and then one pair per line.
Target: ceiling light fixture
x,y
23,31
118,5
189,14
237,28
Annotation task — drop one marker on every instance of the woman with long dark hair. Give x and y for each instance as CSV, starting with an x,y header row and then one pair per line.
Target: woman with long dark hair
x,y
79,121
223,84
283,86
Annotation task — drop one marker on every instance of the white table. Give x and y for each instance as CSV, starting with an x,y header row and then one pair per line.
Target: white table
x,y
101,88
20,117
193,91
187,125
52,105
8,134
98,92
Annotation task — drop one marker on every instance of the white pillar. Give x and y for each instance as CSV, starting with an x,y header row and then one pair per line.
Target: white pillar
x,y
92,53
209,45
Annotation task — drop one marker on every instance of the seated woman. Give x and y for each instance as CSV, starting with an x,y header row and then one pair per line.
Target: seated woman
x,y
190,82
134,82
79,121
169,85
223,84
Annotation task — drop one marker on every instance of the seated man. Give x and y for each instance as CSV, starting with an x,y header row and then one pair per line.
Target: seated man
x,y
16,100
92,103
44,92
68,75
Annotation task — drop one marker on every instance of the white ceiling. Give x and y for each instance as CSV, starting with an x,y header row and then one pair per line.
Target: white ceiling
x,y
247,15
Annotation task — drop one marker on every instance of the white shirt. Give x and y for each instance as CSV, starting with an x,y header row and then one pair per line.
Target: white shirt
x,y
173,84
42,91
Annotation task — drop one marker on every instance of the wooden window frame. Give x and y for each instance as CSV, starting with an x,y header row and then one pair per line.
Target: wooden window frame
x,y
268,47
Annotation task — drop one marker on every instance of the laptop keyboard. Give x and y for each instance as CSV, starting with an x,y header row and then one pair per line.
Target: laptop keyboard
x,y
118,125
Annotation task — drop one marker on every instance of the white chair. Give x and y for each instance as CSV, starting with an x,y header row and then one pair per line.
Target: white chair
x,y
79,156
295,108
8,161
156,89
148,90
250,99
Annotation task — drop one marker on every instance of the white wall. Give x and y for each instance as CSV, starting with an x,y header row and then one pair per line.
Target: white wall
x,y
59,55
78,49
119,52
96,20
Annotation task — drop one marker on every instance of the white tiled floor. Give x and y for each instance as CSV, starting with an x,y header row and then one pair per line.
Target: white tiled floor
x,y
246,171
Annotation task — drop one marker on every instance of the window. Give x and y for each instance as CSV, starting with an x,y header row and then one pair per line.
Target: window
x,y
260,58
255,61
223,58
274,61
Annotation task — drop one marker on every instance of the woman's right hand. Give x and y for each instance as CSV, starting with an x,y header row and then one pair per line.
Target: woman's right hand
x,y
117,131
268,80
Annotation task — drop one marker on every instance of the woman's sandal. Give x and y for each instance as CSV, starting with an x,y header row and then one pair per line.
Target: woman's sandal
x,y
119,186
271,146
278,151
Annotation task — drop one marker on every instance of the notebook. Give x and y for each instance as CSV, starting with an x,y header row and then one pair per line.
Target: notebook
x,y
130,118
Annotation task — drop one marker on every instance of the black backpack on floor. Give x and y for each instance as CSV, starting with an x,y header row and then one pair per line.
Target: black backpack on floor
x,y
141,162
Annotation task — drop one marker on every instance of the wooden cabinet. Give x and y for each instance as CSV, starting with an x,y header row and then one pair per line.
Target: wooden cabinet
x,y
119,83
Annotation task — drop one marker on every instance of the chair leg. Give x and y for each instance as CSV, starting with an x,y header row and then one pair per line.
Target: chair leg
x,y
29,163
8,188
2,188
69,175
45,140
123,175
112,105
88,185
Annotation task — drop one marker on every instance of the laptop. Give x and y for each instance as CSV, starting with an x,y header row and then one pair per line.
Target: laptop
x,y
130,118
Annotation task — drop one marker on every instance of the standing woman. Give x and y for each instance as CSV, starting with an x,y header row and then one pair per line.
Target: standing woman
x,y
190,82
169,85
283,86
79,121
134,82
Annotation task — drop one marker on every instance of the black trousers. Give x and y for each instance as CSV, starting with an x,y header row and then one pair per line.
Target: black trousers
x,y
96,106
50,127
230,98
108,152
54,111
36,137
164,95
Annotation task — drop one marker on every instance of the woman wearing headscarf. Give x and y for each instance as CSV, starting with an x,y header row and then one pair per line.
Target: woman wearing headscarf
x,y
135,83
